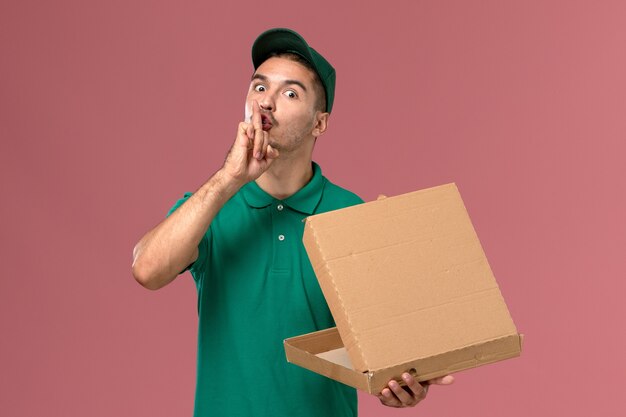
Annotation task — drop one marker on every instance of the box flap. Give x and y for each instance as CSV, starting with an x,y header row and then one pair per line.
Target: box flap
x,y
406,278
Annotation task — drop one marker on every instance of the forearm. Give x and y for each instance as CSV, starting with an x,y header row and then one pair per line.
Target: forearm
x,y
172,245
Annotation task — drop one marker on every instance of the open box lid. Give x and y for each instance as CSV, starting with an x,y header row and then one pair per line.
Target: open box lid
x,y
406,278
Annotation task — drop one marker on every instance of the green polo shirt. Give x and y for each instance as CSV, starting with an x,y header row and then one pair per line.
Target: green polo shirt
x,y
256,287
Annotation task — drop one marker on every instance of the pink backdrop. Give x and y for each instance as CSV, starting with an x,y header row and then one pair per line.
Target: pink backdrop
x,y
109,111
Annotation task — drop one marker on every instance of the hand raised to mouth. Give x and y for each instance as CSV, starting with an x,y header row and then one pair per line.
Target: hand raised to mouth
x,y
251,154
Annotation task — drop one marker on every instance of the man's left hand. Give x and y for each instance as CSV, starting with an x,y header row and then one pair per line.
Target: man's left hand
x,y
412,394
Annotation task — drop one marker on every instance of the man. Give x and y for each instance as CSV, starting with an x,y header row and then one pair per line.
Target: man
x,y
240,236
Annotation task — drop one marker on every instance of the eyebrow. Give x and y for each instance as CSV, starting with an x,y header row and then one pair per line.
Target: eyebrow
x,y
285,82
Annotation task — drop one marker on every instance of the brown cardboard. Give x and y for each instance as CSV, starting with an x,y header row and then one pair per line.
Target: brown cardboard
x,y
410,289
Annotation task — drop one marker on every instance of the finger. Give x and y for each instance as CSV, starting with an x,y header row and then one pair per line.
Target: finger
x,y
387,398
418,390
404,397
444,380
243,135
258,149
271,153
264,143
250,135
256,115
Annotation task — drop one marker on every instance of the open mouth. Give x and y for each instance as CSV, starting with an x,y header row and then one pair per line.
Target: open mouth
x,y
266,123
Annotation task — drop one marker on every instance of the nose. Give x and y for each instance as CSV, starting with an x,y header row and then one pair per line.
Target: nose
x,y
266,102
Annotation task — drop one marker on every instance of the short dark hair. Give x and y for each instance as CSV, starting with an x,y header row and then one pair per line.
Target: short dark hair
x,y
320,93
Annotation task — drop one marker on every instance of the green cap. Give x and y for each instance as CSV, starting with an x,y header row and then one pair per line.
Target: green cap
x,y
285,40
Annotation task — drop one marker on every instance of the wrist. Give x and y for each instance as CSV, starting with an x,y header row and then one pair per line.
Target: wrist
x,y
229,182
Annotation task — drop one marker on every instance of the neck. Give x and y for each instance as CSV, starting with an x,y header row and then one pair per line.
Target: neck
x,y
286,177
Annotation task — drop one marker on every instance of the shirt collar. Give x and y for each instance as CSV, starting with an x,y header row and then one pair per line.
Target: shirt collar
x,y
304,200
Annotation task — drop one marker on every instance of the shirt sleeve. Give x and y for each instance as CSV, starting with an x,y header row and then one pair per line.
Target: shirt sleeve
x,y
199,266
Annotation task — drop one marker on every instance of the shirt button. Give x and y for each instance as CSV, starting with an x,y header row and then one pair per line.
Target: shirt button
x,y
281,237
279,207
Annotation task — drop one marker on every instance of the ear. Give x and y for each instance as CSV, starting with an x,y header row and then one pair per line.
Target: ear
x,y
321,123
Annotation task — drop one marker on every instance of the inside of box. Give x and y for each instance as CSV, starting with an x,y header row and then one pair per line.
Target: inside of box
x,y
337,356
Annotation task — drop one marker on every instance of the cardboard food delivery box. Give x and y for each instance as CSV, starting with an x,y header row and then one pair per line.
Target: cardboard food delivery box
x,y
410,289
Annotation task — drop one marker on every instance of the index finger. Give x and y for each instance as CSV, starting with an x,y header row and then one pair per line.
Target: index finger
x,y
256,115
415,387
258,150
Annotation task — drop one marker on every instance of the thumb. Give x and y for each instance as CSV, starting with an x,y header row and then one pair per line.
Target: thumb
x,y
272,153
444,380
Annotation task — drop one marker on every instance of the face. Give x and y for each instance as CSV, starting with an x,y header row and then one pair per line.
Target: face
x,y
285,93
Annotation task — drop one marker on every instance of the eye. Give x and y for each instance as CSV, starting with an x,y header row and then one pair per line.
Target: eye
x,y
260,88
291,94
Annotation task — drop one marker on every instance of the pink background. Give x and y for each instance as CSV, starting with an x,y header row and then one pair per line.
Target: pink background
x,y
109,111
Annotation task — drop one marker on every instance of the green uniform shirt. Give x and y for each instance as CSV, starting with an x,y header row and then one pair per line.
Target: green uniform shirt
x,y
256,287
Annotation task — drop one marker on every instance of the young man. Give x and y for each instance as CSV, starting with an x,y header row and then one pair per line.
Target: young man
x,y
240,236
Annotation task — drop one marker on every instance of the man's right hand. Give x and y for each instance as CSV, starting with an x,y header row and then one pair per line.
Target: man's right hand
x,y
172,245
251,154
